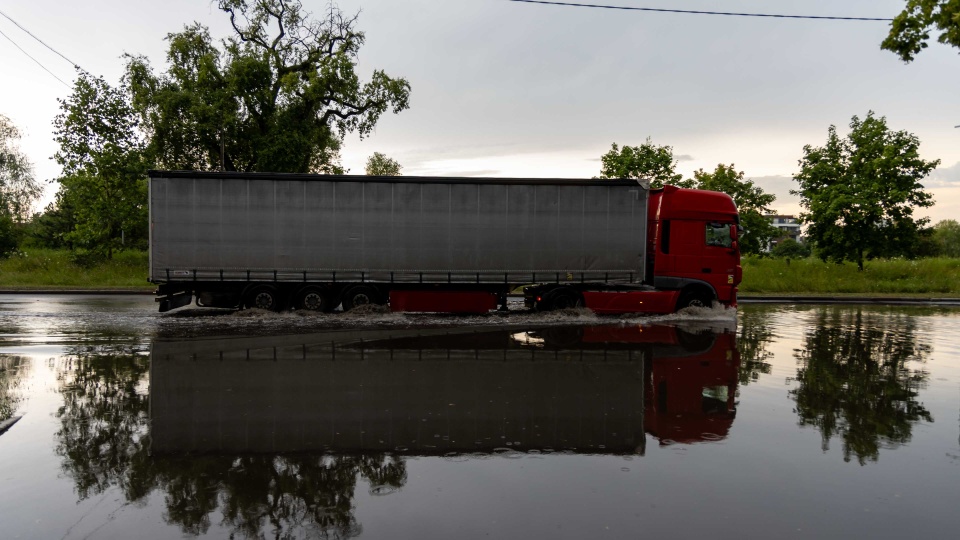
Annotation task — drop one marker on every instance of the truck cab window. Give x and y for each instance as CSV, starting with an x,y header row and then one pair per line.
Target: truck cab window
x,y
718,234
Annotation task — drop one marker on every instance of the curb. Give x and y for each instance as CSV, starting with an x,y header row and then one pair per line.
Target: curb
x,y
8,423
875,300
742,299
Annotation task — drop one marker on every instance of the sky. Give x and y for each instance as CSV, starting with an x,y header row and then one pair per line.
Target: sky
x,y
504,88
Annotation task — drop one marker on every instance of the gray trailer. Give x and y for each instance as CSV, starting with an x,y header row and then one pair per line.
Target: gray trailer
x,y
316,241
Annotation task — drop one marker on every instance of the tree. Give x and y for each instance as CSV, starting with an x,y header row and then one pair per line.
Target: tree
x,y
18,187
53,227
648,161
279,95
946,235
752,204
910,30
104,169
859,192
789,248
380,165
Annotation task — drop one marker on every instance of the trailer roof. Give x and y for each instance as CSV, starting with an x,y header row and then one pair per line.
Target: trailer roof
x,y
198,175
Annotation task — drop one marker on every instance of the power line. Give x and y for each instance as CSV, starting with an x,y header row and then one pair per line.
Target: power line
x,y
694,12
72,63
32,58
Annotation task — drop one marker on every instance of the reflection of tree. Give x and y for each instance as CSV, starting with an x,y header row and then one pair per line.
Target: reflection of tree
x,y
103,423
12,369
856,383
312,494
753,336
103,442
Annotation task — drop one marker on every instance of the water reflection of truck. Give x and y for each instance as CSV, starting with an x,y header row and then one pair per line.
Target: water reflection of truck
x,y
430,392
314,242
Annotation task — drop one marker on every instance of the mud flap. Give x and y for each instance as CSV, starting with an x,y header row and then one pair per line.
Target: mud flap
x,y
174,301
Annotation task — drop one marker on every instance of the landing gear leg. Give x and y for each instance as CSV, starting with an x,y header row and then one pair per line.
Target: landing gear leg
x,y
502,298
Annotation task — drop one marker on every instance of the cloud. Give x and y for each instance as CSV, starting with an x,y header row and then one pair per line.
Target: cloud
x,y
481,173
460,152
780,186
683,157
944,176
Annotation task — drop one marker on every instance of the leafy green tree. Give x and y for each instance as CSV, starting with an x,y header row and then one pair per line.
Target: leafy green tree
x,y
380,165
52,228
104,168
788,248
946,235
859,192
278,95
752,204
9,235
910,30
18,187
648,161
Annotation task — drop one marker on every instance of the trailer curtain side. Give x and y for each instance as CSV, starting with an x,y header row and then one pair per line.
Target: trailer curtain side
x,y
234,226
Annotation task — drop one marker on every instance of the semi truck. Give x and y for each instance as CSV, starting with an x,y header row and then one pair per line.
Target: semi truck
x,y
438,244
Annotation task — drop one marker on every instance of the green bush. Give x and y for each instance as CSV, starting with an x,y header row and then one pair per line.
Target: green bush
x,y
58,269
933,277
9,235
790,249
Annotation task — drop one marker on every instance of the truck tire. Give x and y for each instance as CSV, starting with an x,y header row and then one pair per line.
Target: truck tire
x,y
263,297
695,298
360,295
314,299
564,299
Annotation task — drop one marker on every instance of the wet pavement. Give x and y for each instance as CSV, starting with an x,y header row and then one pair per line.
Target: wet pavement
x,y
773,421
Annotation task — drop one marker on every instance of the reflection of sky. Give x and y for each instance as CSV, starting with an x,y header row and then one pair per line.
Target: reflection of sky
x,y
48,323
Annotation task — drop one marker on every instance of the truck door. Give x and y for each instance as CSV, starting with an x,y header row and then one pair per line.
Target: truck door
x,y
703,250
720,255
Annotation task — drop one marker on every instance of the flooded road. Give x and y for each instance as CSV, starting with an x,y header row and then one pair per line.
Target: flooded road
x,y
776,421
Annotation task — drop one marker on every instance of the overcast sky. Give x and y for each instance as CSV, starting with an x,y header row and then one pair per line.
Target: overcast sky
x,y
502,88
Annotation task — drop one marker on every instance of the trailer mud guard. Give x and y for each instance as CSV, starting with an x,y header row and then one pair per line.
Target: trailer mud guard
x,y
443,301
174,301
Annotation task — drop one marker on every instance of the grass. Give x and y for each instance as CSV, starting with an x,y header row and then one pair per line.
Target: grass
x,y
54,269
922,277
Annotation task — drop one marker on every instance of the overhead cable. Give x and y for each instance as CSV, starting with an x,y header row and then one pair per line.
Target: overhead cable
x,y
72,63
696,12
32,58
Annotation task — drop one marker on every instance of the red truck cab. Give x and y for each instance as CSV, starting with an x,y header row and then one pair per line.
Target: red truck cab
x,y
692,245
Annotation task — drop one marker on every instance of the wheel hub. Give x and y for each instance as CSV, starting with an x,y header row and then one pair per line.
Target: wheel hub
x,y
263,300
313,301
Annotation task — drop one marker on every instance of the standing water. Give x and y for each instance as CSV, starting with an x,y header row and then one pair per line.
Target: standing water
x,y
813,421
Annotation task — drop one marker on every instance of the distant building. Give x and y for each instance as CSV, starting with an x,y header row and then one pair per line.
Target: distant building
x,y
789,228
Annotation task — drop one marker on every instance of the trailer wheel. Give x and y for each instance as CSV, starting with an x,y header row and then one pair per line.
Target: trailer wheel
x,y
564,299
263,297
359,296
695,298
314,299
